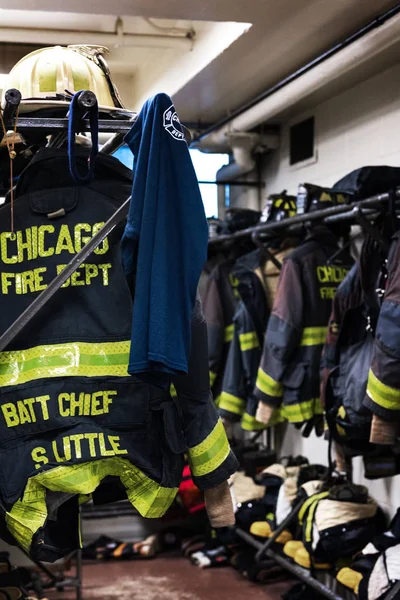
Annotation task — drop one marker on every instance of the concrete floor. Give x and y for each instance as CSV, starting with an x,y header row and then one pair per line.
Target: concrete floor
x,y
170,577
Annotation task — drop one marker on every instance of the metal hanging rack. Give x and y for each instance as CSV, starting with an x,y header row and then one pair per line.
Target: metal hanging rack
x,y
266,550
368,207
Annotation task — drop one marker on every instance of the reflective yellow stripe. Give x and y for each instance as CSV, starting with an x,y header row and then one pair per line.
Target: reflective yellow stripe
x,y
310,516
268,386
308,503
382,394
217,400
229,333
277,417
64,360
213,377
80,77
318,408
302,411
250,423
172,391
30,513
231,403
313,336
211,453
248,341
47,76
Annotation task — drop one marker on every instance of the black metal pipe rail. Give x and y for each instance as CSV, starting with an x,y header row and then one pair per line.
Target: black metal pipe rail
x,y
331,214
299,572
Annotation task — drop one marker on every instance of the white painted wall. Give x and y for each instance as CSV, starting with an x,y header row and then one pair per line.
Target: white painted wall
x,y
359,127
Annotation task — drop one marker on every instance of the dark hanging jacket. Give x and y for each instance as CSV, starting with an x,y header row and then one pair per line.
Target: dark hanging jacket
x,y
237,401
289,370
383,389
73,423
220,302
164,246
346,356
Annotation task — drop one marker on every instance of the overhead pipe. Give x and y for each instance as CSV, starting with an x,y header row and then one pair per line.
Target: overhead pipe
x,y
372,39
243,162
28,35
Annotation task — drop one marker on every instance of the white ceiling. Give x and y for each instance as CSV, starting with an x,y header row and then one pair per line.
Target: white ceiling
x,y
208,82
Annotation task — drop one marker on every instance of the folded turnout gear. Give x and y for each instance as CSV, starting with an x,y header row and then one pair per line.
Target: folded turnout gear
x,y
249,512
338,522
287,485
377,568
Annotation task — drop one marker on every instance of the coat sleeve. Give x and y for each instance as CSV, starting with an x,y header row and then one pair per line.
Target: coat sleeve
x,y
283,335
211,459
328,358
383,389
214,316
232,401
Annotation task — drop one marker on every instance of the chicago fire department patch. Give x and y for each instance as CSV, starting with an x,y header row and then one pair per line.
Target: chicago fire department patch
x,y
172,124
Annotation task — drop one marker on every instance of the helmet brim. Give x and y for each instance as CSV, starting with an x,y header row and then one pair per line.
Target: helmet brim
x,y
31,106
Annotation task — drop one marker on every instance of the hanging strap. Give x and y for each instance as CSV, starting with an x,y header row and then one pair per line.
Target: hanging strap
x,y
76,114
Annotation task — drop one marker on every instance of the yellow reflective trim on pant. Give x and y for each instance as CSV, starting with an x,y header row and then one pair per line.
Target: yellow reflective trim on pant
x,y
248,341
302,411
382,394
313,336
64,360
217,400
250,423
229,331
172,391
231,403
268,386
30,513
308,502
207,456
213,377
311,513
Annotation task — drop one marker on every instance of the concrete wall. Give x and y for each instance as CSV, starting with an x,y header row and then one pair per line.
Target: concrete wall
x,y
357,128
